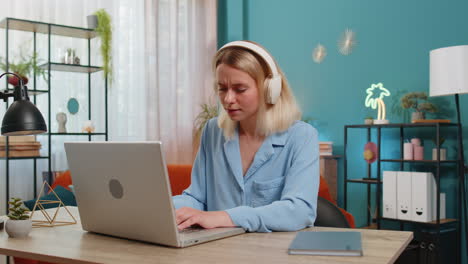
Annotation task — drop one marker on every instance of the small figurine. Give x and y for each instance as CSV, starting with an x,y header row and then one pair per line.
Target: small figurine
x,y
88,127
62,120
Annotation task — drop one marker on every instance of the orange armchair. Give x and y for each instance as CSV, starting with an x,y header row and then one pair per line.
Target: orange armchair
x,y
179,176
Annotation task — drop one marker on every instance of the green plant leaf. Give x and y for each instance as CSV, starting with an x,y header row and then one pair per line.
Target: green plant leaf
x,y
16,211
13,217
26,66
207,112
104,31
418,101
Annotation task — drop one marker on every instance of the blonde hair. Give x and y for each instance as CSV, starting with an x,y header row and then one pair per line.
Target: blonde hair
x,y
270,118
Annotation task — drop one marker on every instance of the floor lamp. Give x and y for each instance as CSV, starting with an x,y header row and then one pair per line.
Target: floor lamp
x,y
449,76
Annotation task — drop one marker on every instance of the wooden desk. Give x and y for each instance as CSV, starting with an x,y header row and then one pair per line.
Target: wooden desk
x,y
70,244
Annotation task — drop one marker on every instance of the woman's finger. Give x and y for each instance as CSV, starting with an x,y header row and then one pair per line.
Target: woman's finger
x,y
189,222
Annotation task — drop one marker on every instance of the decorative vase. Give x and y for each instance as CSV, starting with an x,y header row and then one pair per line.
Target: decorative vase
x,y
92,21
13,80
18,228
417,116
443,154
408,151
62,121
418,152
368,121
70,56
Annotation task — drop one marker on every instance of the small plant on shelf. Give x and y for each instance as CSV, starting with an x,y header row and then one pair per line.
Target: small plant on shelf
x,y
441,141
16,210
419,102
368,120
442,151
104,31
24,67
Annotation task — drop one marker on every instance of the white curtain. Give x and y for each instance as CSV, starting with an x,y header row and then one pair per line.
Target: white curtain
x,y
162,53
180,45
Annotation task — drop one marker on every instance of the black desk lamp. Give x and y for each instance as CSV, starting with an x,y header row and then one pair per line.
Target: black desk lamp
x,y
22,117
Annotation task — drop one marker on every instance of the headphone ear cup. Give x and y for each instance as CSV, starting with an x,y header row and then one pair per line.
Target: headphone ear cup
x,y
273,89
267,84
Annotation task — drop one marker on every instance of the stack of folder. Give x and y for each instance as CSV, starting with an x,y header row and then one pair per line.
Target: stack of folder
x,y
326,148
20,146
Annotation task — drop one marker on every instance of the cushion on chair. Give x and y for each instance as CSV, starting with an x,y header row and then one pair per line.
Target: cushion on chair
x,y
65,195
329,215
324,192
64,180
179,177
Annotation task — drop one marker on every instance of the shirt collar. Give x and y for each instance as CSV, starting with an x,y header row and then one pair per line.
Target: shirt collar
x,y
277,139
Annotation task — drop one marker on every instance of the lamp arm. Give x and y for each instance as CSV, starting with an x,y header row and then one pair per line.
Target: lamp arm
x,y
4,95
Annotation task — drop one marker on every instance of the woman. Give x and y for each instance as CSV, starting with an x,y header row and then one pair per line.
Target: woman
x,y
257,166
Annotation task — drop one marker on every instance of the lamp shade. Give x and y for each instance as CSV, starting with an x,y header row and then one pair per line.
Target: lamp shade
x,y
449,71
23,118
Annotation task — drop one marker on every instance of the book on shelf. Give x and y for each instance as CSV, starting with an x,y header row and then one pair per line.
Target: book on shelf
x,y
326,148
326,243
22,146
20,153
12,139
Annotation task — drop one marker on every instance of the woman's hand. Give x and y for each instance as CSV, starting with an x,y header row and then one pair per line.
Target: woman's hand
x,y
187,217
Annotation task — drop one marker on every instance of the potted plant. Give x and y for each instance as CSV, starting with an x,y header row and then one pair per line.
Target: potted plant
x,y
24,67
418,101
443,151
208,111
19,223
104,31
368,120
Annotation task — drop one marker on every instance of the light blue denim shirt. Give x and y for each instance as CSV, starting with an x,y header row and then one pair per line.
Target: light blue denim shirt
x,y
277,193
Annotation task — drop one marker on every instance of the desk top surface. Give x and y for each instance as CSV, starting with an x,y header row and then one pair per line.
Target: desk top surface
x,y
70,244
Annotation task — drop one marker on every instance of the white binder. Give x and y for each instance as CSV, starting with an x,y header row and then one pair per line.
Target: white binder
x,y
442,206
423,194
389,195
404,204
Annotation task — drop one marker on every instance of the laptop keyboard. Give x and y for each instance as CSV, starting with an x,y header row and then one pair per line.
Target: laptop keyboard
x,y
191,229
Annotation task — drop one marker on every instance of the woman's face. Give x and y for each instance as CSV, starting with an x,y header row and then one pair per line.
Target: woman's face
x,y
238,92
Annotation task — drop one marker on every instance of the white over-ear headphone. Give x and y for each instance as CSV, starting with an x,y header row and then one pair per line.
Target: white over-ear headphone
x,y
272,84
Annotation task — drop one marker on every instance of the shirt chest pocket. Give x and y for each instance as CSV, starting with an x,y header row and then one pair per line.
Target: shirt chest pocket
x,y
266,192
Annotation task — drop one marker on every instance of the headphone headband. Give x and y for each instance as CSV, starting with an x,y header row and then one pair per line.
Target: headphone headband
x,y
273,84
257,49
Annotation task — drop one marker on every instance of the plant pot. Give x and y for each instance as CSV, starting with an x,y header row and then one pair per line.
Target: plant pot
x,y
13,80
443,154
92,21
18,228
417,116
368,121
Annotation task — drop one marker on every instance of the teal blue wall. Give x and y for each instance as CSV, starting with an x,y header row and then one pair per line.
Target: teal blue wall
x,y
393,43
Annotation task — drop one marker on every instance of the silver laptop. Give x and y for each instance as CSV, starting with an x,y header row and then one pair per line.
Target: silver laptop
x,y
122,189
